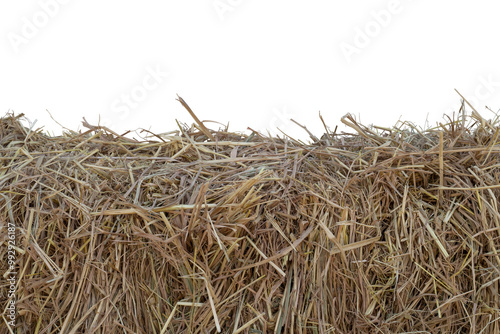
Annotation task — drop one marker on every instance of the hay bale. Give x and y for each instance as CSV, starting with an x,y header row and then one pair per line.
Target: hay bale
x,y
202,231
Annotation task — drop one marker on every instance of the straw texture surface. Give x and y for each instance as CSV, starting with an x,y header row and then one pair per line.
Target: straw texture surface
x,y
202,231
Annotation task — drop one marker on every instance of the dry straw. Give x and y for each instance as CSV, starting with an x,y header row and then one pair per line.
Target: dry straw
x,y
201,231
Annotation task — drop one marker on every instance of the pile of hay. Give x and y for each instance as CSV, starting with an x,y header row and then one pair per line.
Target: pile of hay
x,y
202,231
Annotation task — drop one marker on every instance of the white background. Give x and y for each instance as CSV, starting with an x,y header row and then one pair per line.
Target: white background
x,y
249,63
